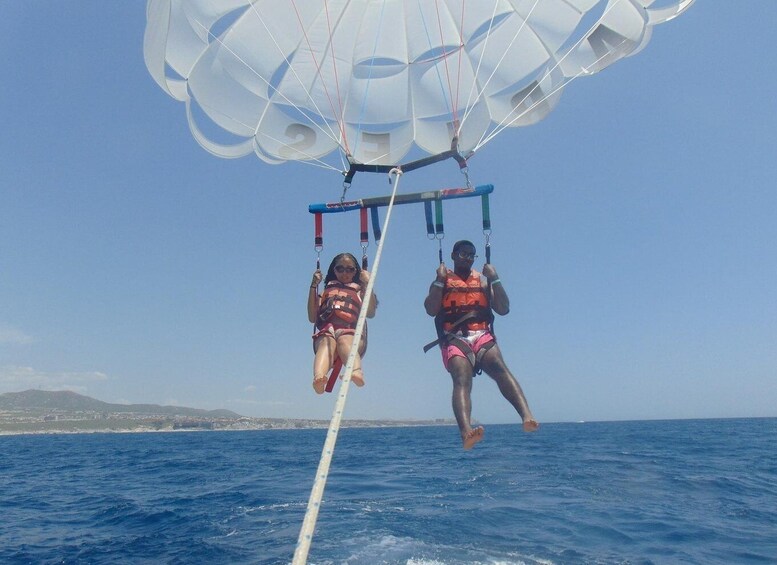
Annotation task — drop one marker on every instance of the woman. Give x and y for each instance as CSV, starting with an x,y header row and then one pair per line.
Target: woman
x,y
335,313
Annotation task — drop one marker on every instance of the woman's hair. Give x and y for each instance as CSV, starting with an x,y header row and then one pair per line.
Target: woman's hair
x,y
330,274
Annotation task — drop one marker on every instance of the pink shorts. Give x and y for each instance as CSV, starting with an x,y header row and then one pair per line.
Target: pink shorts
x,y
476,341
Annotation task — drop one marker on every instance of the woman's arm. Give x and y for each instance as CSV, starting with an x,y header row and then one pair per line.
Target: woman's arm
x,y
364,278
313,297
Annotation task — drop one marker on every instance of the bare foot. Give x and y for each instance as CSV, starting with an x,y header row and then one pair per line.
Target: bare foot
x,y
357,376
472,437
531,425
319,384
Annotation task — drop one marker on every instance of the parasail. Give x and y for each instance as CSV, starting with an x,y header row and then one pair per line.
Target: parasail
x,y
342,82
366,84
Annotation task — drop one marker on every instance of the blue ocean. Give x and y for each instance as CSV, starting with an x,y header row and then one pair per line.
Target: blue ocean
x,y
682,491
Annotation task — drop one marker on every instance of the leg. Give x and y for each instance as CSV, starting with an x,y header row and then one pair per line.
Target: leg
x,y
324,347
461,374
494,366
344,344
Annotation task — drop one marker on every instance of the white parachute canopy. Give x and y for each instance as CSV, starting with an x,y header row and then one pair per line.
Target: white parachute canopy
x,y
371,80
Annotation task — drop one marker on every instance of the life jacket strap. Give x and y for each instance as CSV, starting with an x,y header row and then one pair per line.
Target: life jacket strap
x,y
338,307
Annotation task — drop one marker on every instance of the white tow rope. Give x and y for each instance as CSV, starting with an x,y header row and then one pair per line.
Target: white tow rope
x,y
317,492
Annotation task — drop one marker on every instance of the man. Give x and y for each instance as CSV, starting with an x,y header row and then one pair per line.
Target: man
x,y
462,302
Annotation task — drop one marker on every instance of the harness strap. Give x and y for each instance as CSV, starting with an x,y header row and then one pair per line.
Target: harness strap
x,y
451,313
462,344
442,336
466,349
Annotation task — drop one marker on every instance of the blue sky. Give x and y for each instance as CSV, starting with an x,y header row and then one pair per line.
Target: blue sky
x,y
634,230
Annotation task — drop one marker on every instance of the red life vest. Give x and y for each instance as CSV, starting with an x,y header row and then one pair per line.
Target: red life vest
x,y
339,305
462,297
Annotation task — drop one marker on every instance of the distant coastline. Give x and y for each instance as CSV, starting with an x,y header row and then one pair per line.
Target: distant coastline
x,y
83,424
65,412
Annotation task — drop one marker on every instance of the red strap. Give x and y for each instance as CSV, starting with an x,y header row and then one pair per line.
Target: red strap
x,y
319,229
363,233
336,366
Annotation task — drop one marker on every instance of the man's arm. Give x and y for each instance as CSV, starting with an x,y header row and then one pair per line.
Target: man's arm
x,y
433,301
500,303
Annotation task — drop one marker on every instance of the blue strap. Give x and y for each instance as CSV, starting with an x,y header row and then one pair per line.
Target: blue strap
x,y
375,222
429,220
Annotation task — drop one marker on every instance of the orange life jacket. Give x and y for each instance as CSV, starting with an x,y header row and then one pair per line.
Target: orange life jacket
x,y
460,297
339,305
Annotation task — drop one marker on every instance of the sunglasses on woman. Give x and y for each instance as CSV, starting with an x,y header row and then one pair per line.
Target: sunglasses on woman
x,y
341,269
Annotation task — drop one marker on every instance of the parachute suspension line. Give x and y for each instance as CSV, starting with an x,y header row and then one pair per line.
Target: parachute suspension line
x,y
275,91
473,88
429,42
318,66
505,123
319,483
309,159
486,225
458,70
341,114
369,78
483,88
200,137
453,152
453,100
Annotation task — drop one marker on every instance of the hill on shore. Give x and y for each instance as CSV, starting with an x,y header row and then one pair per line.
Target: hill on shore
x,y
44,412
68,401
